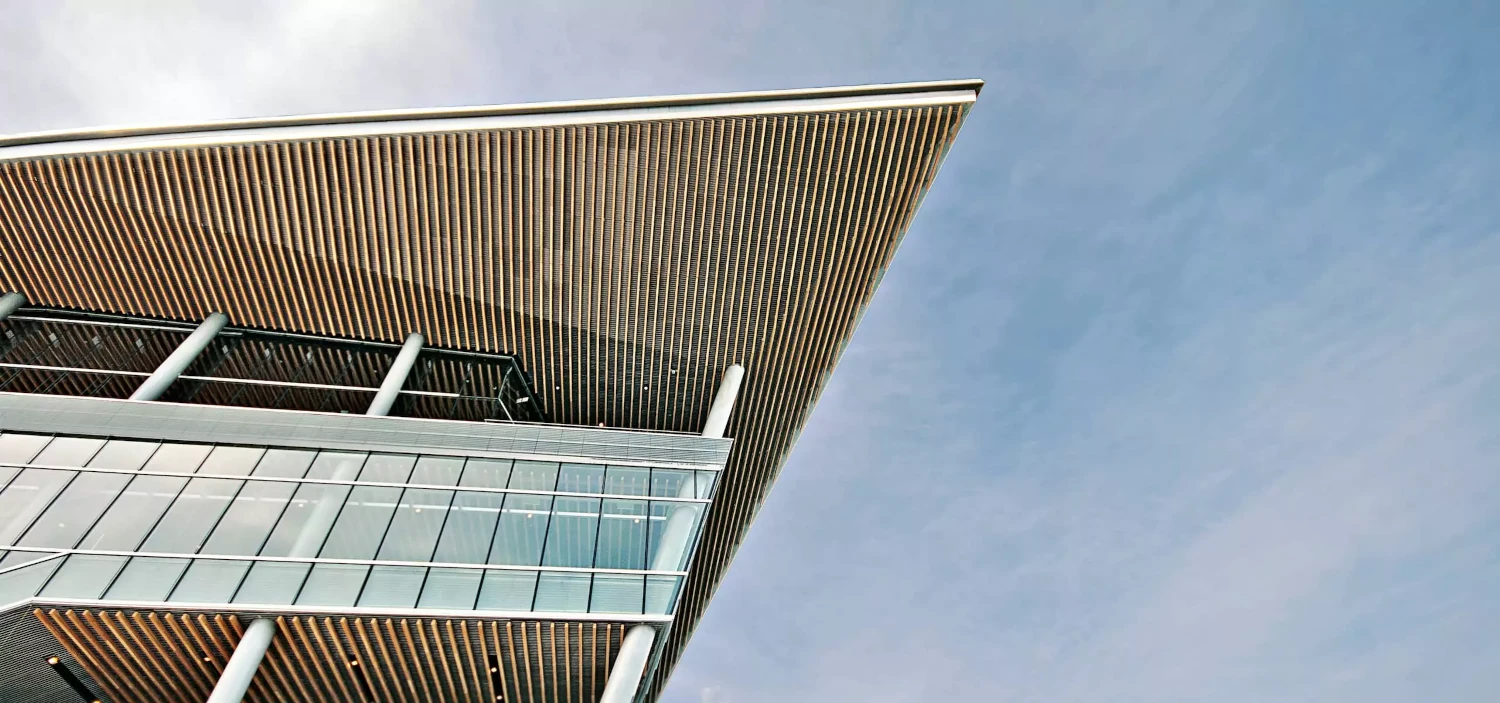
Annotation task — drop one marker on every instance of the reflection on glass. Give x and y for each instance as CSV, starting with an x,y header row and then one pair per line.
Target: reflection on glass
x,y
28,494
671,483
210,581
284,463
23,583
486,473
534,475
661,594
673,526
69,451
185,526
562,592
333,584
507,590
522,530
134,513
178,458
84,576
414,530
123,455
580,478
454,589
146,579
272,583
437,471
362,523
231,461
388,468
706,481
336,466
74,511
18,448
307,508
470,528
392,587
248,522
627,481
617,593
622,535
570,541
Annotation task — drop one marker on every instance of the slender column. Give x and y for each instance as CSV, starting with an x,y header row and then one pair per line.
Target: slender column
x,y
390,388
630,665
9,303
723,405
244,662
252,647
183,355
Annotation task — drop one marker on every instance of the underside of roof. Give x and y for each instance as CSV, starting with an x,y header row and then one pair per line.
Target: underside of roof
x,y
625,251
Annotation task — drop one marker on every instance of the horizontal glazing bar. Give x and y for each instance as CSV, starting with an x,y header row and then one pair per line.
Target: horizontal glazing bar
x,y
377,484
354,562
362,610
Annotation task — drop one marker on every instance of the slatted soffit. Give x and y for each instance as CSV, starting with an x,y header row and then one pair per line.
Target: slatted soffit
x,y
625,251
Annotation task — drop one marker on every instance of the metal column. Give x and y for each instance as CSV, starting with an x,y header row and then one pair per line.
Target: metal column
x,y
252,647
9,303
180,358
630,665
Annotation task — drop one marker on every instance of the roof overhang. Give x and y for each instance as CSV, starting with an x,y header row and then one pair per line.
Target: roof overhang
x,y
627,251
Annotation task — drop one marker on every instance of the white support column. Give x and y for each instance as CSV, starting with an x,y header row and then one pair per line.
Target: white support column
x,y
390,388
723,405
245,661
252,647
630,665
9,303
181,357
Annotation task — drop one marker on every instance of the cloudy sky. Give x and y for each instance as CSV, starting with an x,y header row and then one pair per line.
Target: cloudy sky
x,y
1184,386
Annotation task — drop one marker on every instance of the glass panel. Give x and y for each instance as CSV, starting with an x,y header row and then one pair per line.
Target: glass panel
x,y
522,530
252,514
21,584
285,463
581,478
84,576
123,454
673,526
437,471
69,451
507,590
392,587
272,583
333,584
575,524
470,528
26,497
146,579
196,510
486,473
562,592
17,557
414,530
210,581
706,481
627,481
534,475
21,448
388,468
314,504
362,523
134,513
622,535
454,589
75,510
336,466
661,593
178,458
671,483
231,461
617,593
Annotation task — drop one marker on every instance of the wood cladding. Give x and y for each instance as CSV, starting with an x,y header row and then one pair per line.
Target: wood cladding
x,y
625,264
166,657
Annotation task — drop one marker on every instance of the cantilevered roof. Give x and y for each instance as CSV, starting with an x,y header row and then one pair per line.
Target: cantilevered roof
x,y
627,251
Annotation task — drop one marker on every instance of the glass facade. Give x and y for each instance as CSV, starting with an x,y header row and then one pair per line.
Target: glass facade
x,y
66,353
125,519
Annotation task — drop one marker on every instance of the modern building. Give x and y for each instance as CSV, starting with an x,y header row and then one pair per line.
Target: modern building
x,y
457,405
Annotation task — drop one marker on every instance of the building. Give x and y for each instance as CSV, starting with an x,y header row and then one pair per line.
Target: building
x,y
469,404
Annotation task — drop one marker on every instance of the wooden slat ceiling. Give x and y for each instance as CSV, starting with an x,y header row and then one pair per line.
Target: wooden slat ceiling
x,y
626,262
166,657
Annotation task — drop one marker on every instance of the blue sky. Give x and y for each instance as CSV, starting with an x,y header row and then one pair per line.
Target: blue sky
x,y
1182,387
